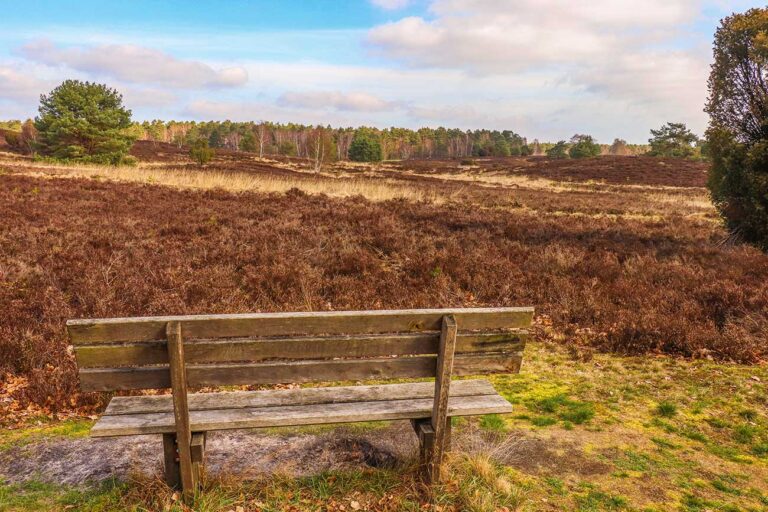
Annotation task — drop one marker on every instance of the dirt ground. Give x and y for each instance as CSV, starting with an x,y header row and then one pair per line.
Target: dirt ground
x,y
249,454
246,453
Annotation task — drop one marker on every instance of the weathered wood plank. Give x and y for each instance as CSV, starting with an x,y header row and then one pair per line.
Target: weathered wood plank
x,y
426,435
222,419
256,349
197,447
180,406
283,324
445,358
299,371
301,396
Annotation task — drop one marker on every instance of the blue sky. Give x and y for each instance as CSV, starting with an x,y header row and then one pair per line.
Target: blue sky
x,y
544,68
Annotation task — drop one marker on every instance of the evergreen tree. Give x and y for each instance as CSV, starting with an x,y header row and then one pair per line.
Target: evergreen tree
x,y
248,141
365,147
215,139
559,150
583,146
672,140
737,139
200,152
83,121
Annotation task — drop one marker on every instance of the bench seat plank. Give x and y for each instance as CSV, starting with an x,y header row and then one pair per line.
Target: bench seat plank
x,y
297,396
312,406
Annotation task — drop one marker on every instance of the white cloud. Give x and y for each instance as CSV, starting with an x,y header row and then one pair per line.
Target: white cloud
x,y
20,86
391,5
503,36
135,64
146,97
265,111
606,51
352,101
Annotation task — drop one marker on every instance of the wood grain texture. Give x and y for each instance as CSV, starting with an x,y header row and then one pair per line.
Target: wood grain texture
x,y
178,379
445,358
197,447
222,419
296,372
301,396
260,349
282,324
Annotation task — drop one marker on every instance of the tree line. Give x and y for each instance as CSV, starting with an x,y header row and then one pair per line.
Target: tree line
x,y
87,122
291,139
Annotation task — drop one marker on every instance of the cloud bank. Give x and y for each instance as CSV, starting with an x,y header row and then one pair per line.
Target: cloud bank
x,y
135,64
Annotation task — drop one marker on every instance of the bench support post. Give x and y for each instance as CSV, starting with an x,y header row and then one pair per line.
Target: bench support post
x,y
440,420
171,461
180,407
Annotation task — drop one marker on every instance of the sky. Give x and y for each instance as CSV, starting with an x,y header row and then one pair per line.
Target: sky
x,y
546,69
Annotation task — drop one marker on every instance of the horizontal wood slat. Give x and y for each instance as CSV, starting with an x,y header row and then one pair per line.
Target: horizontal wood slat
x,y
230,350
222,419
284,324
301,371
301,396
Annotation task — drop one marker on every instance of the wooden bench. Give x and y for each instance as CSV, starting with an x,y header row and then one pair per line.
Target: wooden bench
x,y
178,352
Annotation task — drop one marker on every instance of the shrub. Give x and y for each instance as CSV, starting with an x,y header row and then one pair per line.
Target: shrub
x,y
737,139
583,146
13,139
83,121
559,150
200,152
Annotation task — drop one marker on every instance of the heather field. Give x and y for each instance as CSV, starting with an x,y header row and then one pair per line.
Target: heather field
x,y
643,390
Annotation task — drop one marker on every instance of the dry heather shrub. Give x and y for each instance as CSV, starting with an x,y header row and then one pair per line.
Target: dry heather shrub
x,y
77,248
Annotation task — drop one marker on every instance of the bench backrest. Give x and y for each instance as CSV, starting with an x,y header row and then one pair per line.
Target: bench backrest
x,y
272,348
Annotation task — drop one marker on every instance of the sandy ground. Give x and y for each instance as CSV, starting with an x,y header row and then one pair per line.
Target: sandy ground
x,y
245,453
251,453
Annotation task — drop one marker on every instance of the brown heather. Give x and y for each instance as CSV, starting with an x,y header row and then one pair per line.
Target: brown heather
x,y
628,269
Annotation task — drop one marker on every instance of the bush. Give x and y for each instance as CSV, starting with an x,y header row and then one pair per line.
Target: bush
x,y
737,139
200,152
83,121
583,146
559,150
13,139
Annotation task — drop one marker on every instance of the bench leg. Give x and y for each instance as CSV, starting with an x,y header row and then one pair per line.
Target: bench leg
x,y
429,466
426,435
171,468
197,452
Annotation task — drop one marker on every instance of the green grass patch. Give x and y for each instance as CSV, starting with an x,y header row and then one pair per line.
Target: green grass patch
x,y
493,423
666,409
20,437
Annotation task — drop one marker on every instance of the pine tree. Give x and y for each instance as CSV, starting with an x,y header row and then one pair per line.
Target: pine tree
x,y
83,121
